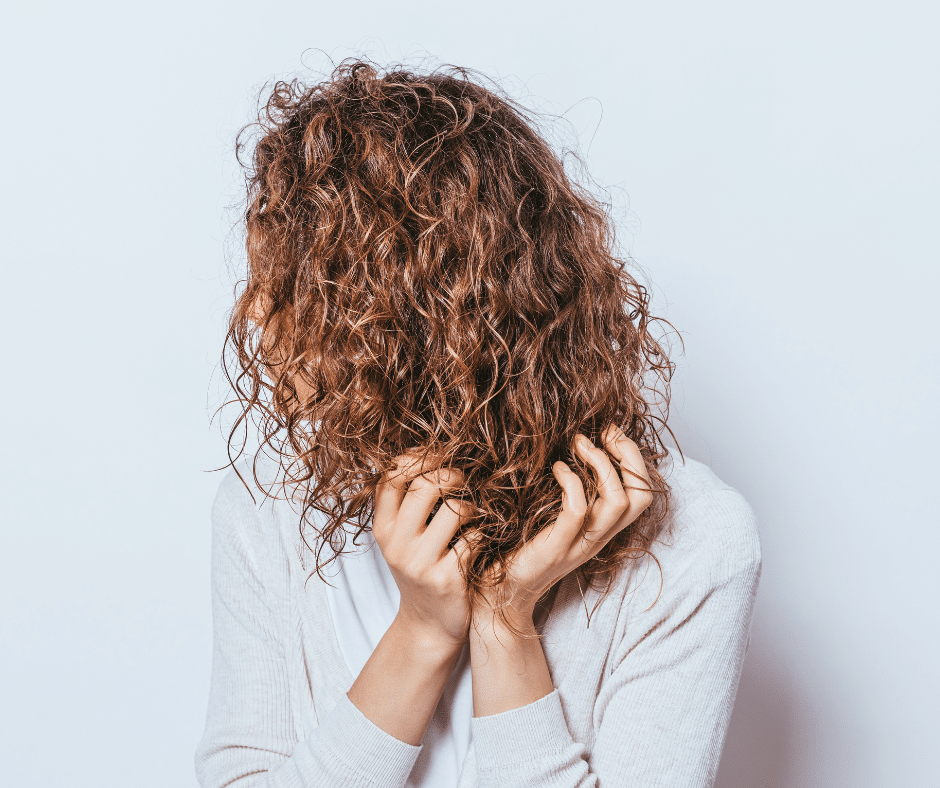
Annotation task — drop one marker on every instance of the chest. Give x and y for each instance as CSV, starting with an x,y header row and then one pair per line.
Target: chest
x,y
576,651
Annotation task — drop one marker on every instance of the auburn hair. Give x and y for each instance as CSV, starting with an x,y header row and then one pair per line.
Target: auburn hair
x,y
419,259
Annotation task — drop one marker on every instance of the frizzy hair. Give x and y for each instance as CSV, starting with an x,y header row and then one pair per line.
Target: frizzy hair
x,y
419,259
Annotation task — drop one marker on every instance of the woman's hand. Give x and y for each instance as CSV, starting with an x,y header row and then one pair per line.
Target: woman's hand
x,y
434,601
580,531
401,683
510,671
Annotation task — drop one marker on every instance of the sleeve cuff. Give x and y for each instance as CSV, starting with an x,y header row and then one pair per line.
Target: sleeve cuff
x,y
365,748
525,734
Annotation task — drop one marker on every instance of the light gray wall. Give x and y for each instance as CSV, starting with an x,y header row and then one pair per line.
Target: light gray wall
x,y
779,162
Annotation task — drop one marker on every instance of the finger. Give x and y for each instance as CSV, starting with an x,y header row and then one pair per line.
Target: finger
x,y
464,548
636,478
392,487
259,308
567,526
459,558
612,500
419,500
452,515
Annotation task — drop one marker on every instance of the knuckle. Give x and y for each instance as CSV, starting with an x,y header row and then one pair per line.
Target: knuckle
x,y
643,499
578,508
410,568
467,510
403,464
449,477
409,456
436,578
628,441
623,440
423,486
461,506
415,570
619,500
378,532
419,482
430,483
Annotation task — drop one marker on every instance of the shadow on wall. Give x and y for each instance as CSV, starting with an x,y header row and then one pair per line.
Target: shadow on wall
x,y
757,748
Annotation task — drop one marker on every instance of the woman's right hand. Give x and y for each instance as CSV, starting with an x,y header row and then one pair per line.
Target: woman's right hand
x,y
401,683
434,601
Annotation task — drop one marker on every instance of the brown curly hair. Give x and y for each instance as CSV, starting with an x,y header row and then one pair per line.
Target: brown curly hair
x,y
422,271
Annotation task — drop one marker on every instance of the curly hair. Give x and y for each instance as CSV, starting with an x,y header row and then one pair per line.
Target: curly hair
x,y
422,271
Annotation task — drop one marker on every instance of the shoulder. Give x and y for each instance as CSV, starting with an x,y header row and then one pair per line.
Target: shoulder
x,y
245,516
710,527
709,550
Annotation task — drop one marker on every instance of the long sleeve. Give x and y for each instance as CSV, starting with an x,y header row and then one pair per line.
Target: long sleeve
x,y
249,739
662,712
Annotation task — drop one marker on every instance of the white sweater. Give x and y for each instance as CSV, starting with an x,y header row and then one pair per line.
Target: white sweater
x,y
642,696
364,600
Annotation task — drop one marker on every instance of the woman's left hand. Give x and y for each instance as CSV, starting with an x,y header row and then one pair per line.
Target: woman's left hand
x,y
580,531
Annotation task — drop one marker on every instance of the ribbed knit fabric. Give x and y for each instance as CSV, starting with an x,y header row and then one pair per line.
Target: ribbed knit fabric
x,y
642,695
364,600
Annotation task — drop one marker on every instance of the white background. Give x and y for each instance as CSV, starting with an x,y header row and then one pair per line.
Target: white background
x,y
776,170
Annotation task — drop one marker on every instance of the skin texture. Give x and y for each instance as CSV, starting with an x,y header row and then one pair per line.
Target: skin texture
x,y
402,682
509,669
400,686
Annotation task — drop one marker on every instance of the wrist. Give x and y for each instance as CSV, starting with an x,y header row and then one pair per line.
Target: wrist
x,y
512,622
426,639
508,663
401,683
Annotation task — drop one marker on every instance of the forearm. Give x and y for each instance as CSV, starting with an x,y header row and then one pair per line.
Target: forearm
x,y
400,686
519,729
509,671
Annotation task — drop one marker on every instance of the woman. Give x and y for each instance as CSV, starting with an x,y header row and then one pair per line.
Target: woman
x,y
473,562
